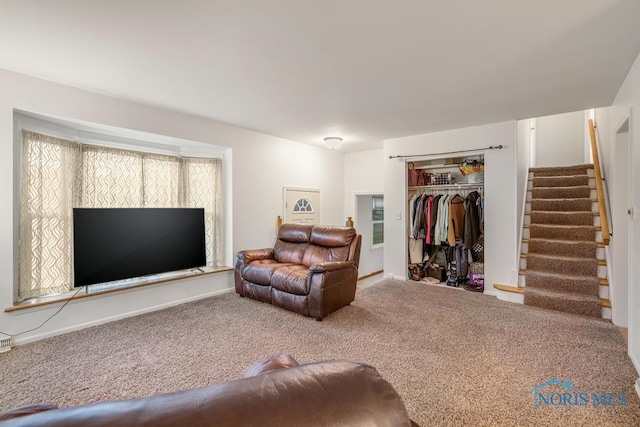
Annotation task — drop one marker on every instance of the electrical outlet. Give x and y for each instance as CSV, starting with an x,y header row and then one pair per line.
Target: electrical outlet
x,y
398,216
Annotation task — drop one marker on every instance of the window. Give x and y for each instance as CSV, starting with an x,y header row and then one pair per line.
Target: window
x,y
377,218
58,175
303,205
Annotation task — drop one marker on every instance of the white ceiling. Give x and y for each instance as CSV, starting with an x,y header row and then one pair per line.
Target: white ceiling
x,y
366,70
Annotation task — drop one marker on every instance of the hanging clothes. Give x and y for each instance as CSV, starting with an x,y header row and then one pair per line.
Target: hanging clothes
x,y
471,219
433,217
418,220
443,217
412,213
456,220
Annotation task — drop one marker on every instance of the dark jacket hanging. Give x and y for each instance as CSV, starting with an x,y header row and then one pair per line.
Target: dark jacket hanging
x,y
471,220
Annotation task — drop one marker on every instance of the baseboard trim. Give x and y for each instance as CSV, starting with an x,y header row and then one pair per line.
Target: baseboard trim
x,y
366,276
634,361
32,338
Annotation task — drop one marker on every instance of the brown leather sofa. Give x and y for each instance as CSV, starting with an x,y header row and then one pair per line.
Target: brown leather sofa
x,y
311,270
276,393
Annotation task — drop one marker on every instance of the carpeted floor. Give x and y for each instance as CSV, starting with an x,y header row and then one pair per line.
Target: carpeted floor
x,y
457,358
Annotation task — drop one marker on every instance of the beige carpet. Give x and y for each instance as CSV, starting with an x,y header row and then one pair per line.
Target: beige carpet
x,y
457,358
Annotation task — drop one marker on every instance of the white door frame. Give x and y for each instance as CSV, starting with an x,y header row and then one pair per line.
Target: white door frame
x,y
620,283
355,206
366,251
284,200
633,292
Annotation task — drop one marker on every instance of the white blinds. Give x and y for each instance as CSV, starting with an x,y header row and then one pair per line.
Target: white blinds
x,y
58,175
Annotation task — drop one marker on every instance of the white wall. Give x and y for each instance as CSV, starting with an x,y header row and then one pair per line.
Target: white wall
x,y
560,139
260,166
371,259
363,176
500,195
627,104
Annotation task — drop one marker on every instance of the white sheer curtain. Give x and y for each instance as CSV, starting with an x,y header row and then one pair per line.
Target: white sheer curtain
x,y
58,175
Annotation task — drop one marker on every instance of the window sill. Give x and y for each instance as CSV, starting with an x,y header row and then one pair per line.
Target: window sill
x,y
101,289
379,246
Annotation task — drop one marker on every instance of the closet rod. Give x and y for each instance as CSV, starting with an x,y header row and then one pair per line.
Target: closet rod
x,y
491,147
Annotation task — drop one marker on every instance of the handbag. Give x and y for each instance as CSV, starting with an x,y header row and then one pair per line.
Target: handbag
x,y
416,176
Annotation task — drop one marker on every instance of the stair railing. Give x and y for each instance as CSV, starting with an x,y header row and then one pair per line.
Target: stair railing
x,y
602,207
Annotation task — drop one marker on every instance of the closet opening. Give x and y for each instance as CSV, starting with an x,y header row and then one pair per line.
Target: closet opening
x,y
445,221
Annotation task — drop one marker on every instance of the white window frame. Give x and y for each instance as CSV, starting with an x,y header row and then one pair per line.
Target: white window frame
x,y
107,136
374,222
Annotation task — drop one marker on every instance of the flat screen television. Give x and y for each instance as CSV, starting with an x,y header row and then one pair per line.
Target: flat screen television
x,y
122,243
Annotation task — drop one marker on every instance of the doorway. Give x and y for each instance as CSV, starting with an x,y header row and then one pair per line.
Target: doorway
x,y
301,205
369,222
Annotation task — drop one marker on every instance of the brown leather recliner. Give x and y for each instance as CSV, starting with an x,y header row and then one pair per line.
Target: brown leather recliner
x,y
276,393
311,270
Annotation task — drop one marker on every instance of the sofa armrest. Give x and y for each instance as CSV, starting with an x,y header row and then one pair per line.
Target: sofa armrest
x,y
255,254
330,266
244,258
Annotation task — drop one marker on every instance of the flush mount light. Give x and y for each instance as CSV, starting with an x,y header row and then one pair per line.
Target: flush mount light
x,y
332,141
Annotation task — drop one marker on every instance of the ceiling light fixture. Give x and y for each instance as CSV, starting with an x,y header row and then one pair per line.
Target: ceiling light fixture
x,y
332,141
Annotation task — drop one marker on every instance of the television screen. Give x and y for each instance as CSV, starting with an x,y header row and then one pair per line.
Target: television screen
x,y
121,243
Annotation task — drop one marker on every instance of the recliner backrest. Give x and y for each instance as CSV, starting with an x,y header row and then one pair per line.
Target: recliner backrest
x,y
328,244
292,242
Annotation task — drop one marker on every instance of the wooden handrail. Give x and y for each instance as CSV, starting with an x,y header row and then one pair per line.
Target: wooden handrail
x,y
602,209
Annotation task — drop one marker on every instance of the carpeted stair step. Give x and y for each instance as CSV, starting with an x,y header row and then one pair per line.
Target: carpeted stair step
x,y
602,281
562,264
562,248
561,171
582,191
564,205
586,285
588,305
563,232
560,181
561,218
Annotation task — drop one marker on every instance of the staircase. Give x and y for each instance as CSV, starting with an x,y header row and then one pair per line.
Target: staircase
x,y
562,264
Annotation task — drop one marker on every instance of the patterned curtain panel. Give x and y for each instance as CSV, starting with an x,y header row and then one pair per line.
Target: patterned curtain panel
x,y
59,175
162,181
111,178
203,188
50,183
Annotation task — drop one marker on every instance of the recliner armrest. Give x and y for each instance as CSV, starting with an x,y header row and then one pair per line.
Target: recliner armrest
x,y
331,266
255,254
